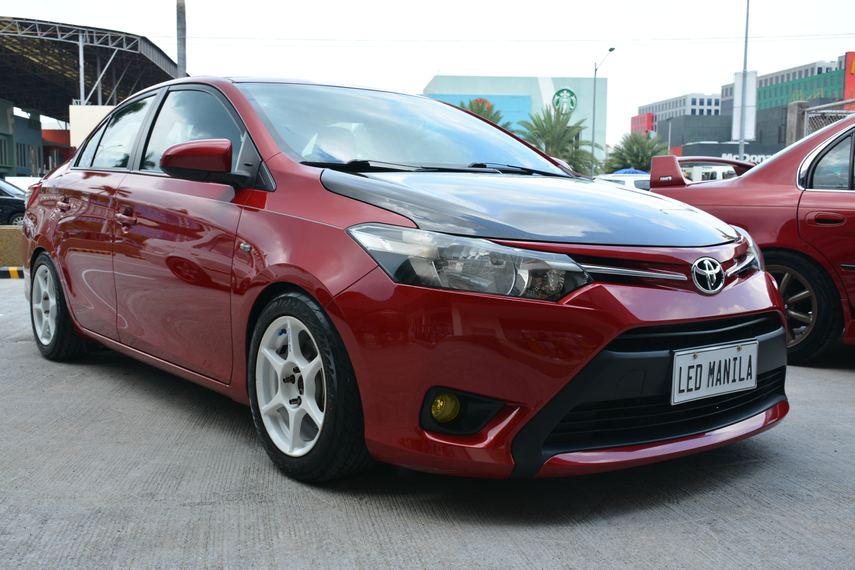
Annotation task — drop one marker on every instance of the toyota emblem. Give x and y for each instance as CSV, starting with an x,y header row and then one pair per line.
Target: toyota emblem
x,y
708,275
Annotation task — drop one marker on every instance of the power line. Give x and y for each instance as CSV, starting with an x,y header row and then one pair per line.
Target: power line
x,y
199,40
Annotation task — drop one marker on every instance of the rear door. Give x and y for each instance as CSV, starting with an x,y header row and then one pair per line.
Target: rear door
x,y
175,239
827,208
84,216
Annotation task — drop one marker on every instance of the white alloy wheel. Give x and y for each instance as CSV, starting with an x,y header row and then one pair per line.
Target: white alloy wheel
x,y
290,386
44,305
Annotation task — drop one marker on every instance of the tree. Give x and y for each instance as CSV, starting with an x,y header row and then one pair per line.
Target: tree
x,y
550,131
636,150
483,108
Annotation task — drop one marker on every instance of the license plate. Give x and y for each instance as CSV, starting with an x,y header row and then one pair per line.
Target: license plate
x,y
706,372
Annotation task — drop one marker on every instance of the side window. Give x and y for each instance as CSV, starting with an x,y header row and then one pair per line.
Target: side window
x,y
114,150
834,169
85,160
189,116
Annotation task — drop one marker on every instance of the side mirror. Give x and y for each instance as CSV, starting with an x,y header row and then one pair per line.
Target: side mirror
x,y
207,160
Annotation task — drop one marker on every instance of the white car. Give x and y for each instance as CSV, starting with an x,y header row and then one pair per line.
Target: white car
x,y
640,181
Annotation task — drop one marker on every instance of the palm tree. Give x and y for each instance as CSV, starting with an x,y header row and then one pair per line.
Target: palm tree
x,y
483,108
636,150
550,131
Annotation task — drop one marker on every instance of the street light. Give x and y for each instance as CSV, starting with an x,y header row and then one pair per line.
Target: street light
x,y
594,122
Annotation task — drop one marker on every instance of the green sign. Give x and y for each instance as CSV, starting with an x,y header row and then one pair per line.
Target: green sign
x,y
564,100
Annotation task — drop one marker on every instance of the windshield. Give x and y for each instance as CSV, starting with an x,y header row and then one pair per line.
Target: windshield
x,y
11,189
335,125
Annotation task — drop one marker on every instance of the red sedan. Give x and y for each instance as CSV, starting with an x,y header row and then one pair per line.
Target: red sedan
x,y
800,208
382,276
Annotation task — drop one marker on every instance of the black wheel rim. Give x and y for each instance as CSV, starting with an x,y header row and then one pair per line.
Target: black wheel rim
x,y
800,303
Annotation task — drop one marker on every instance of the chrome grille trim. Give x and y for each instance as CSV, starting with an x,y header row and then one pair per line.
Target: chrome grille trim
x,y
602,270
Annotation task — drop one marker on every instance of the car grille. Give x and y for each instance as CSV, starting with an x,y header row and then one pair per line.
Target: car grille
x,y
617,423
623,396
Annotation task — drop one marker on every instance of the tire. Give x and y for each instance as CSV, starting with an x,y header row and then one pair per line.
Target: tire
x,y
16,219
812,303
52,328
299,374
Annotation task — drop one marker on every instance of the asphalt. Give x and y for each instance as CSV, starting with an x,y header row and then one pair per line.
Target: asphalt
x,y
109,463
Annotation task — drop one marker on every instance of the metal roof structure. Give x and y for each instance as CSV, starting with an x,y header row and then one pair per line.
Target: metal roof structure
x,y
47,66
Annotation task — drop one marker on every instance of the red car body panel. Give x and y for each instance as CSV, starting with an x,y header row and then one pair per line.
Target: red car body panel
x,y
769,203
524,357
175,272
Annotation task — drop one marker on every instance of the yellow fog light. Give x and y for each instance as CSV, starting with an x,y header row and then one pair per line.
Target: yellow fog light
x,y
445,408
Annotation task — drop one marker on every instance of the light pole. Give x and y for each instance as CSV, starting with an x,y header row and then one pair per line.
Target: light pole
x,y
594,122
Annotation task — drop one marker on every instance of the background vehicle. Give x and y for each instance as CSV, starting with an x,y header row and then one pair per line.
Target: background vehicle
x,y
386,276
799,206
12,204
639,181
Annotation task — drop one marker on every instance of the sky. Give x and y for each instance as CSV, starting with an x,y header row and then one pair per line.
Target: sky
x,y
663,48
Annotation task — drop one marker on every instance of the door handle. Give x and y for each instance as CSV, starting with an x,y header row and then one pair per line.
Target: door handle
x,y
126,220
63,205
825,219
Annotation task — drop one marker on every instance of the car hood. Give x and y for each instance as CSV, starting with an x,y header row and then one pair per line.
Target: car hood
x,y
532,208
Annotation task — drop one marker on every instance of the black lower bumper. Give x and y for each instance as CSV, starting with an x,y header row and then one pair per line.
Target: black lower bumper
x,y
622,397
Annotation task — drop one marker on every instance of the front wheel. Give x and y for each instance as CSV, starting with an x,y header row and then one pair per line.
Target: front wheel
x,y
16,219
811,301
303,393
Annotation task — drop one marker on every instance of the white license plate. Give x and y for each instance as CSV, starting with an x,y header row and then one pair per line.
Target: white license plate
x,y
705,372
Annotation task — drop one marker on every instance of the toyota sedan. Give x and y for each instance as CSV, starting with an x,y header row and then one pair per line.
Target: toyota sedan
x,y
386,277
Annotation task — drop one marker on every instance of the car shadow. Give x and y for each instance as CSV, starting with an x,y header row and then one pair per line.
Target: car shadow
x,y
565,500
839,356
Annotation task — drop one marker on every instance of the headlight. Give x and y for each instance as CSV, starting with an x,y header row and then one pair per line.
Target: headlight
x,y
429,259
752,248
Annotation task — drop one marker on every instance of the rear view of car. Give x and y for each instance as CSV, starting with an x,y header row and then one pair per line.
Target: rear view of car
x,y
799,207
385,277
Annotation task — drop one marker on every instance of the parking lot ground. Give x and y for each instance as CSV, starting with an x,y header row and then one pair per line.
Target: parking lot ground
x,y
108,463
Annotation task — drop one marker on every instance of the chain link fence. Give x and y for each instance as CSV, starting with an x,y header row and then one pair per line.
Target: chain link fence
x,y
824,115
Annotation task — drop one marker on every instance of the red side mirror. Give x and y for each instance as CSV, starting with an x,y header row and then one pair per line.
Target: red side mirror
x,y
208,155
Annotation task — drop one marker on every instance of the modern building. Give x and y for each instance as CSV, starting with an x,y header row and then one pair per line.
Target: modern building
x,y
708,104
518,97
819,82
704,130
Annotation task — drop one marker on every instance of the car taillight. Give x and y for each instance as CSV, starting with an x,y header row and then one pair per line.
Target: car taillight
x,y
33,193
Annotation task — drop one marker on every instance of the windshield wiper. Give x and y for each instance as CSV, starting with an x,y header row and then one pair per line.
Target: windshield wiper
x,y
380,166
363,166
512,168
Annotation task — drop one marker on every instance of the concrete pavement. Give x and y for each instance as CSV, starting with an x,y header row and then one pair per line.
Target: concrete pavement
x,y
109,463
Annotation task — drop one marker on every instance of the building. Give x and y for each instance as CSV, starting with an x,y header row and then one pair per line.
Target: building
x,y
518,97
704,130
708,104
819,82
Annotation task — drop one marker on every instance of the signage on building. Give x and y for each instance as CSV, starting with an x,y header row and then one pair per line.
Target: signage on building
x,y
849,78
564,100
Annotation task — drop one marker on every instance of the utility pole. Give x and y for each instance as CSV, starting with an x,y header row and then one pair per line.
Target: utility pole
x,y
744,87
594,121
182,40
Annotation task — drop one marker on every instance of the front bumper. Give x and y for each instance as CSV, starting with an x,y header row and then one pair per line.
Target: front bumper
x,y
543,360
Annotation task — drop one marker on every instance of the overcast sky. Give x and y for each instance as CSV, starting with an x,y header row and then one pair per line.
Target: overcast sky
x,y
663,48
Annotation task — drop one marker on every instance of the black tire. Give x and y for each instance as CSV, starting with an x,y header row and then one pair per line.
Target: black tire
x,y
814,313
319,383
16,219
52,328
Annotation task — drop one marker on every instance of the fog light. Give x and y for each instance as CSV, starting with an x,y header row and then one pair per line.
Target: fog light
x,y
445,408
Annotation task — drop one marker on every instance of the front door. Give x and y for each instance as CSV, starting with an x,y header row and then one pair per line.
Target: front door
x,y
174,243
827,209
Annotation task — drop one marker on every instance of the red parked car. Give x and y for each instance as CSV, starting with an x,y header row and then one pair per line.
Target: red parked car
x,y
383,276
799,206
